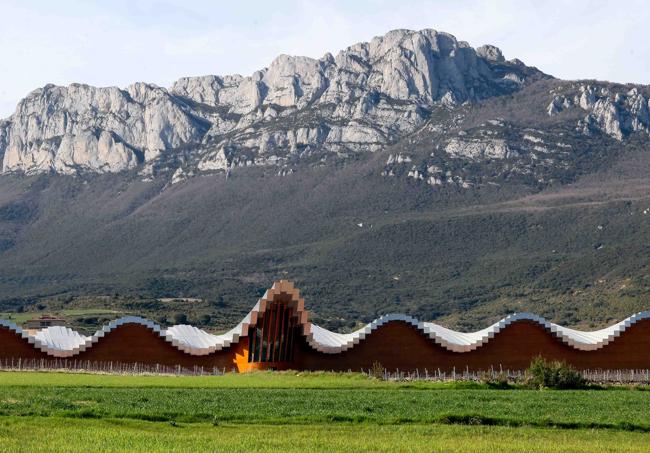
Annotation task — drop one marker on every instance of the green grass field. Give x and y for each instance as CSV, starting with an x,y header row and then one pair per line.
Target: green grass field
x,y
47,434
22,318
310,412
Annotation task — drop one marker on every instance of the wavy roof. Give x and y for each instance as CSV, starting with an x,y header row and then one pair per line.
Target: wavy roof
x,y
60,341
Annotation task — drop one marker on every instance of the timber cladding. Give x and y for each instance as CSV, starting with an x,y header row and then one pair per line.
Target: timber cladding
x,y
277,334
398,345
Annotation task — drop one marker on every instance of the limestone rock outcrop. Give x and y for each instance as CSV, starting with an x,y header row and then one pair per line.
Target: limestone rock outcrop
x,y
4,136
478,149
366,96
610,110
99,129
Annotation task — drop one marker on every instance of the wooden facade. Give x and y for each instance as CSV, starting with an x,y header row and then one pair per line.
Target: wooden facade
x,y
278,335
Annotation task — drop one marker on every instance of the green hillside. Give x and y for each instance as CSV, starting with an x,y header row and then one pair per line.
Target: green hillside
x,y
567,238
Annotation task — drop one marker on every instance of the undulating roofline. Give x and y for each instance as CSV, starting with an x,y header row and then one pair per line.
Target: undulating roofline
x,y
58,341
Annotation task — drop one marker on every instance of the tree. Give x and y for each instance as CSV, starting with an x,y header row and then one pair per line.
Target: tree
x,y
180,318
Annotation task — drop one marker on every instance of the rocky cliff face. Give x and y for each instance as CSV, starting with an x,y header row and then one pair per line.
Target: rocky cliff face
x,y
615,111
369,95
4,132
414,88
69,129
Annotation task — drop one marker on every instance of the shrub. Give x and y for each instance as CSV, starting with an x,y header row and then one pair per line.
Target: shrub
x,y
553,374
495,380
377,370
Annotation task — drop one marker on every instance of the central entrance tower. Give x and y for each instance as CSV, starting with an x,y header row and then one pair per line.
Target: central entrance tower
x,y
273,334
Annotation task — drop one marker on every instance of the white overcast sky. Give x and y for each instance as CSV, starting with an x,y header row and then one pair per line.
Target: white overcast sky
x,y
119,42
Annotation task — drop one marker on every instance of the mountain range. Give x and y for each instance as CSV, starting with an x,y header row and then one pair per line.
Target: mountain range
x,y
411,173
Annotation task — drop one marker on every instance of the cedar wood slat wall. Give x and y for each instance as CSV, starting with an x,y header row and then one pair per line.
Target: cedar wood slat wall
x,y
129,343
399,345
396,345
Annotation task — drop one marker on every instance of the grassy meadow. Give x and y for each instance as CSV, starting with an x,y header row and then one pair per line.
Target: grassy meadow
x,y
293,411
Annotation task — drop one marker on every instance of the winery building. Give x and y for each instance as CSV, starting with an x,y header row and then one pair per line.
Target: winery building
x,y
277,334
